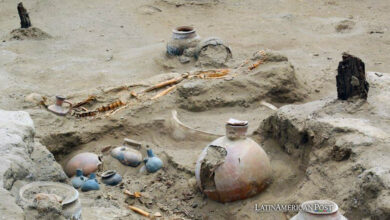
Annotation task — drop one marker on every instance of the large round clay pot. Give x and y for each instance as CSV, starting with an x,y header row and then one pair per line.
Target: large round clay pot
x,y
183,37
319,210
87,162
233,167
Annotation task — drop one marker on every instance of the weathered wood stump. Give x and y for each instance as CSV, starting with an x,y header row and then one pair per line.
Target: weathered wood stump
x,y
24,17
351,78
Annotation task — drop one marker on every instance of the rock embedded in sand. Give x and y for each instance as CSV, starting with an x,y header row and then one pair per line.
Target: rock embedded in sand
x,y
341,153
22,159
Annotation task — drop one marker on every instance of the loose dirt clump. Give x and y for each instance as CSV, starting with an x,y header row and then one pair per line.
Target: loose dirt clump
x,y
47,206
339,154
345,26
31,33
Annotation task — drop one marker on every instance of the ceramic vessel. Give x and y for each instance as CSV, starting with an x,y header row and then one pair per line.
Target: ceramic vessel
x,y
71,206
212,41
111,177
90,184
319,210
58,109
183,37
152,163
127,156
79,179
240,170
87,162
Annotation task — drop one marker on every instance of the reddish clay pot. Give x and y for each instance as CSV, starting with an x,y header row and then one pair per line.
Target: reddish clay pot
x,y
87,162
242,168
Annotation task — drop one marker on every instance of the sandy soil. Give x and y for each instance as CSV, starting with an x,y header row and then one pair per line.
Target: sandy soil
x,y
99,44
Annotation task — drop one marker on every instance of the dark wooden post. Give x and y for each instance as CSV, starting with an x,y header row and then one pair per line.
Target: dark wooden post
x,y
351,78
23,15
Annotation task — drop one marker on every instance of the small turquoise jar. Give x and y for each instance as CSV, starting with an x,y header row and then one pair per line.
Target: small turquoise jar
x,y
79,179
111,178
152,163
90,184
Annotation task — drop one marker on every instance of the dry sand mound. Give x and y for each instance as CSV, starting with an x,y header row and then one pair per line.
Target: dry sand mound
x,y
31,33
274,79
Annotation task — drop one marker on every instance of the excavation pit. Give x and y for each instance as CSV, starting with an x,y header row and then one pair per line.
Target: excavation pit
x,y
171,190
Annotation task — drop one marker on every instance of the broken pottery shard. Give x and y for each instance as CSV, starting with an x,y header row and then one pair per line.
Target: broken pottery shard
x,y
212,52
351,78
236,122
215,156
132,142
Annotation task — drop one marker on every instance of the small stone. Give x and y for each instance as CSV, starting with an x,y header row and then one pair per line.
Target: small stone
x,y
379,74
192,183
184,59
34,98
157,214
